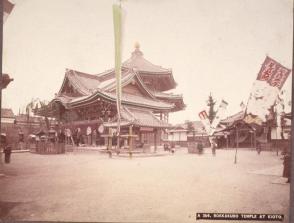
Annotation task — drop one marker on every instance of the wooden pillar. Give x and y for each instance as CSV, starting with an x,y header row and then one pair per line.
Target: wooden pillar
x,y
161,136
131,140
109,139
254,138
227,141
237,137
155,140
237,145
140,137
251,139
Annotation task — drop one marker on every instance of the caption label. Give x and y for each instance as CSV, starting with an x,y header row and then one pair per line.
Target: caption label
x,y
234,216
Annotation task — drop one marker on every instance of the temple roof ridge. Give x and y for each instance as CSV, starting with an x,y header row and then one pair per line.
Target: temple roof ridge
x,y
137,60
84,83
79,73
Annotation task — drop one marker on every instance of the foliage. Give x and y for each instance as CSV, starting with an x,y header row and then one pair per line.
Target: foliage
x,y
37,106
210,103
190,126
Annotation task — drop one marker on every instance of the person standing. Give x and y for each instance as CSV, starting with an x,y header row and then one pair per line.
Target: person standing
x,y
212,145
20,139
89,135
3,144
258,148
79,136
67,137
61,141
94,137
287,167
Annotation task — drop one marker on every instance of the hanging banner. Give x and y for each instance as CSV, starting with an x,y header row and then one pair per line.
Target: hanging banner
x,y
279,78
268,68
262,97
220,113
273,73
205,120
265,90
117,22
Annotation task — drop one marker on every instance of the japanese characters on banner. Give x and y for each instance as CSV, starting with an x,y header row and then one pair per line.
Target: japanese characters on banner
x,y
273,73
220,113
205,120
270,80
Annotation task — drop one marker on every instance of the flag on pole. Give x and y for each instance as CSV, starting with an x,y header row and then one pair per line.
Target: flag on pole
x,y
273,73
220,113
117,22
265,90
279,110
7,8
242,106
205,120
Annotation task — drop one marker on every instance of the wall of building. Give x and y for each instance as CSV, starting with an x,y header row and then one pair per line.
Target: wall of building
x,y
180,136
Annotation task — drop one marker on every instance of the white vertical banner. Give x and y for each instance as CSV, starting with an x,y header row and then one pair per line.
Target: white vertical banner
x,y
262,97
118,30
220,113
265,90
205,120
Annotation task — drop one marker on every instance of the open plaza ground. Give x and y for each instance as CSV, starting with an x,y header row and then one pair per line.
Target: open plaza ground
x,y
89,186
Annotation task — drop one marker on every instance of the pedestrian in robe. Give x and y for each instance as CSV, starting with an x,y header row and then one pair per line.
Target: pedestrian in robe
x,y
89,135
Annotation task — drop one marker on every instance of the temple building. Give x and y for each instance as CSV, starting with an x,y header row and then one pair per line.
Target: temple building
x,y
89,101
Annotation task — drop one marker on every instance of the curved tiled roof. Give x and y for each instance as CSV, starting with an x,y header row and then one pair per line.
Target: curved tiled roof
x,y
171,98
236,117
90,87
7,113
127,99
144,118
84,83
110,84
138,117
166,95
139,62
144,68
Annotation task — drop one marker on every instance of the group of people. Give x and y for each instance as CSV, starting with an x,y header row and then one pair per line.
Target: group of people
x,y
78,138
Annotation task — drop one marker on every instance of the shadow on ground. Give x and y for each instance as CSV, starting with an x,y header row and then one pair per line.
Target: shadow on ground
x,y
5,207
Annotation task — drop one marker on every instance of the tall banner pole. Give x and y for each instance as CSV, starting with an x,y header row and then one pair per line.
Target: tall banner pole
x,y
1,80
117,22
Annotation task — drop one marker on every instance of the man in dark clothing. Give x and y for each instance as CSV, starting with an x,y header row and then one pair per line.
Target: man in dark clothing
x,y
258,148
61,136
3,144
61,141
287,167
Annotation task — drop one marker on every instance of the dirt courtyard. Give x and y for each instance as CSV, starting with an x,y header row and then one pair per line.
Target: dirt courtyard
x,y
89,186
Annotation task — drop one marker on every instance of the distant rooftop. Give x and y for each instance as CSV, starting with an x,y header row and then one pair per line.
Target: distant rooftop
x,y
7,113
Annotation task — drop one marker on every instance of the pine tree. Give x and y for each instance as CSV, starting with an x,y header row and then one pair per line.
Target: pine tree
x,y
190,128
210,103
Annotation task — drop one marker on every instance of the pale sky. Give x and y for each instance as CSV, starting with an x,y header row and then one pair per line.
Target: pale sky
x,y
211,45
